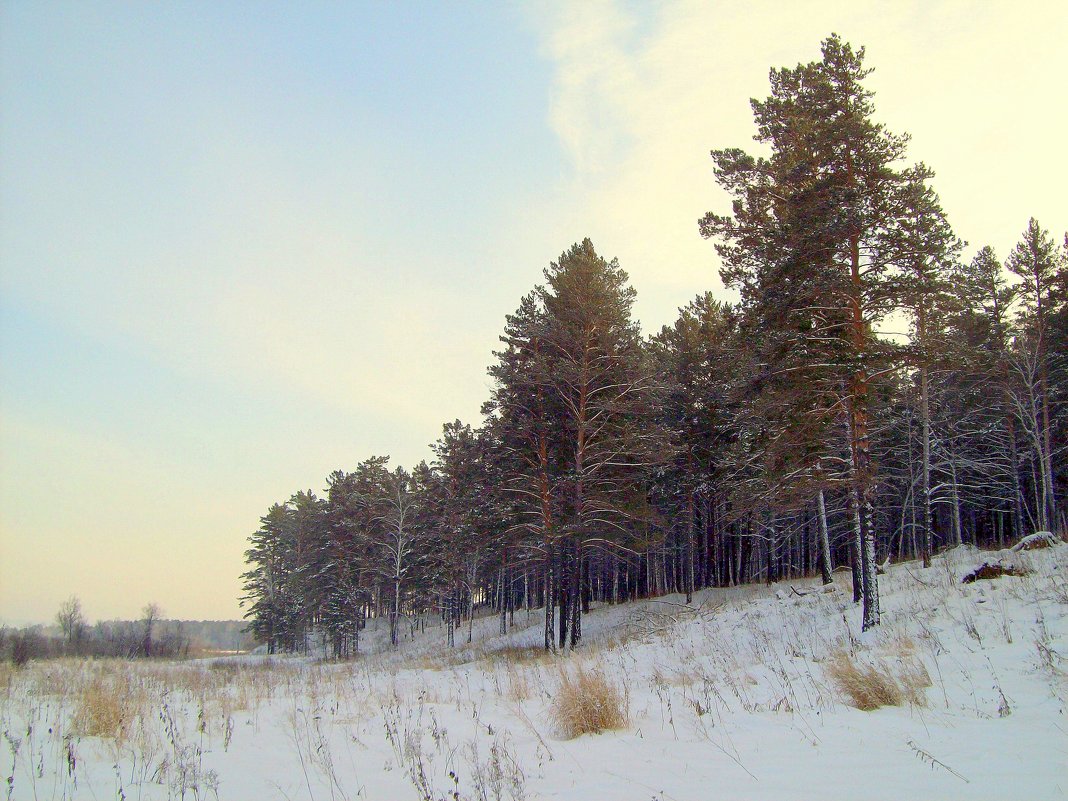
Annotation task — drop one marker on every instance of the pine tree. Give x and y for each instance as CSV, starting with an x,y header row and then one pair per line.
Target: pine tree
x,y
267,584
606,394
574,408
823,222
977,379
1035,260
696,363
344,575
928,252
469,528
522,414
390,502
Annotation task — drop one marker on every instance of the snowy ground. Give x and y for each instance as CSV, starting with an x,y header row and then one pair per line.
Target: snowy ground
x,y
732,697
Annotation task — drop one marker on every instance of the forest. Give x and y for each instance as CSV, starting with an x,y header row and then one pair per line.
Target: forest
x,y
879,390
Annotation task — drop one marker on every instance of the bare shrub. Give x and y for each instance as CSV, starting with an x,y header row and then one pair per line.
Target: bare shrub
x,y
20,651
27,645
587,702
870,686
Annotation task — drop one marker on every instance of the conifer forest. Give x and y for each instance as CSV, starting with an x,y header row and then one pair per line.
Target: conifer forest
x,y
877,390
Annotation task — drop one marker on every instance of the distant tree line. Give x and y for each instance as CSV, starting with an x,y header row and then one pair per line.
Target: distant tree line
x,y
871,396
151,636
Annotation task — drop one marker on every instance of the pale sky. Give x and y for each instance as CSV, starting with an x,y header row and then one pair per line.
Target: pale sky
x,y
245,244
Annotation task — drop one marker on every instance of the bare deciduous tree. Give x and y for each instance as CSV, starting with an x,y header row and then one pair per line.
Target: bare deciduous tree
x,y
70,619
150,615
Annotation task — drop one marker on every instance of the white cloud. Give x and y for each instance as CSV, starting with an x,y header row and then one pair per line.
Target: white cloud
x,y
638,113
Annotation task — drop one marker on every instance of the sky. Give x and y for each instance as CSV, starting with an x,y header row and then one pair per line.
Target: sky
x,y
245,244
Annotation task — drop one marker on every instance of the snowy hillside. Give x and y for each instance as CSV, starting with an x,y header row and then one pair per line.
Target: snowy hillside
x,y
745,694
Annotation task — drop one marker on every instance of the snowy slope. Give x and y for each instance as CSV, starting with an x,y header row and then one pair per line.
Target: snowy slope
x,y
731,697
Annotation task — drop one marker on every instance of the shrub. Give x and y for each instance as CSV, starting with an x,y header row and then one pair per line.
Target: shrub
x,y
870,686
29,644
587,702
20,650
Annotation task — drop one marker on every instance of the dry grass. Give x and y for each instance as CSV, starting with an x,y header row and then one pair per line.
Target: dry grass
x,y
1058,587
587,702
520,655
7,678
676,677
513,682
870,686
519,685
447,660
104,708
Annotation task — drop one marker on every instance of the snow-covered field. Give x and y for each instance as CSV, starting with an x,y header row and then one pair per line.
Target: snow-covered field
x,y
732,697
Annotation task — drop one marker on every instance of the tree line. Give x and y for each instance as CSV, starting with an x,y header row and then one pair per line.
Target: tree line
x,y
148,637
872,395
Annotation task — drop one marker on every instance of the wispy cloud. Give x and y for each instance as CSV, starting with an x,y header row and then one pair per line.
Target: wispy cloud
x,y
639,102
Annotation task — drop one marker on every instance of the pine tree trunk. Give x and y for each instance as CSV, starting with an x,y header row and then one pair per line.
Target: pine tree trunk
x,y
587,583
472,575
690,522
503,595
394,614
563,587
825,541
957,538
1049,505
550,598
576,597
1018,501
861,446
869,575
927,538
772,545
855,550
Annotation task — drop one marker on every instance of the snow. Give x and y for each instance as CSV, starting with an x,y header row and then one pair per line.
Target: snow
x,y
1040,539
728,697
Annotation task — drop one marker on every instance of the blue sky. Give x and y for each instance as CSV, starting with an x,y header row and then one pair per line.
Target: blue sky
x,y
245,244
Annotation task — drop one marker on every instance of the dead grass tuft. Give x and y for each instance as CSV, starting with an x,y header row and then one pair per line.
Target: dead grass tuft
x,y
587,702
870,686
520,655
7,678
223,665
438,662
103,709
